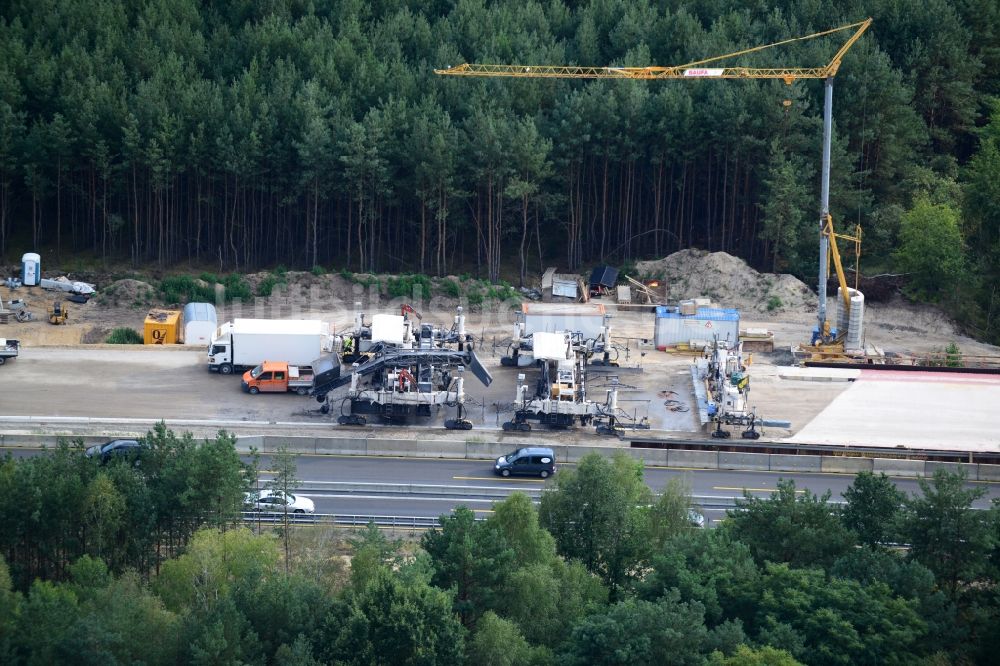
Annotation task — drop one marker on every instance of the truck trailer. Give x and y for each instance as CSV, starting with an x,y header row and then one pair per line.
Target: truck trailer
x,y
246,343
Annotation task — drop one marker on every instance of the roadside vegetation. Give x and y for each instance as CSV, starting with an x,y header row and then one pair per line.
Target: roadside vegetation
x,y
150,563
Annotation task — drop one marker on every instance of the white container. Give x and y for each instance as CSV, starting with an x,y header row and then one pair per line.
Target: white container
x,y
31,269
200,321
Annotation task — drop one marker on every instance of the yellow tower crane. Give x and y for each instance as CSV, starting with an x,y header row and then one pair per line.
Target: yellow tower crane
x,y
825,342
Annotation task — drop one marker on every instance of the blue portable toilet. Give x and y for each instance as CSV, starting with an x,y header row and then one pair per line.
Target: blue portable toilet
x,y
31,269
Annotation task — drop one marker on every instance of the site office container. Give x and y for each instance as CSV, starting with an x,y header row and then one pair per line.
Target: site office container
x,y
673,328
162,327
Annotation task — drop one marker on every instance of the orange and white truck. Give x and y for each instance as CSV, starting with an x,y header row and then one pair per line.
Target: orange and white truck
x,y
282,377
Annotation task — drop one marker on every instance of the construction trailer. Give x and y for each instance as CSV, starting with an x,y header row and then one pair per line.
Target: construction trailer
x,y
559,399
674,328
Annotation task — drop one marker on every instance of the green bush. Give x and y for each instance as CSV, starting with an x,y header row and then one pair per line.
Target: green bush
x,y
404,285
266,286
451,288
318,271
184,288
124,336
475,297
953,356
236,287
774,303
346,274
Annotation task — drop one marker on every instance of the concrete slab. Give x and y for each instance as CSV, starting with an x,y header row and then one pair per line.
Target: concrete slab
x,y
693,459
922,410
819,374
988,472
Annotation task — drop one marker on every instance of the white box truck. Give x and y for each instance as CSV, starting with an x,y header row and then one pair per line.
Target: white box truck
x,y
246,343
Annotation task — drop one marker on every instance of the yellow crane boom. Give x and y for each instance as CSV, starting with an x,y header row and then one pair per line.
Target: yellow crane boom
x,y
696,69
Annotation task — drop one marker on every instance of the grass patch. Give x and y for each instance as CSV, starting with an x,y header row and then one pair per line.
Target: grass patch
x,y
124,336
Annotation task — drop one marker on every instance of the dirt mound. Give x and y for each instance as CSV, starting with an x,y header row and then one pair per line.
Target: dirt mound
x,y
128,292
729,282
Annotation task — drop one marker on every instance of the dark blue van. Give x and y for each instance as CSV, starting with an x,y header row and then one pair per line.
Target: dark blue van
x,y
529,461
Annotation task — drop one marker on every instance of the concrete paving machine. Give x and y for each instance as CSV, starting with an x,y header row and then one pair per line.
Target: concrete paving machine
x,y
722,371
560,396
404,374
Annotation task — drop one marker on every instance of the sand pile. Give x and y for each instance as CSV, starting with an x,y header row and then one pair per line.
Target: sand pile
x,y
729,282
128,292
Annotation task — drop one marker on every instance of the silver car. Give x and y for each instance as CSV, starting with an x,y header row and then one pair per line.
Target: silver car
x,y
275,501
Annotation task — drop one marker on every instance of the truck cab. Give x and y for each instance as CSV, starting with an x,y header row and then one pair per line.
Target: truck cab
x,y
220,358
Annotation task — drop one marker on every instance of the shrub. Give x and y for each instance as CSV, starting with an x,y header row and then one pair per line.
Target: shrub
x,y
184,288
774,303
236,287
318,271
404,285
953,356
346,274
124,336
451,288
280,271
475,297
266,286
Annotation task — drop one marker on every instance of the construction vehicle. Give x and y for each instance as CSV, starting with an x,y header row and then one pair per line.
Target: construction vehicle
x,y
722,373
699,70
282,377
245,343
8,349
58,312
404,384
560,397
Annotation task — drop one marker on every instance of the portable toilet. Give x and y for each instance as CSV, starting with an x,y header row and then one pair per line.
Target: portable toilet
x,y
200,322
161,327
31,269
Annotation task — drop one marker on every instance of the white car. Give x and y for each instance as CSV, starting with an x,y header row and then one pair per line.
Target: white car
x,y
275,501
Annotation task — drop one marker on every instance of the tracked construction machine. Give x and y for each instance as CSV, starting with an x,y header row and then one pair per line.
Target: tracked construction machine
x,y
723,372
405,375
560,397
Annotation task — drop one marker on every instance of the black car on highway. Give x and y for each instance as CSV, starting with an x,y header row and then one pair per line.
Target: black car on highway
x,y
116,449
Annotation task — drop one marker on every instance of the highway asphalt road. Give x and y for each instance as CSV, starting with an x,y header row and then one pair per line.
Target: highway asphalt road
x,y
473,484
710,488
